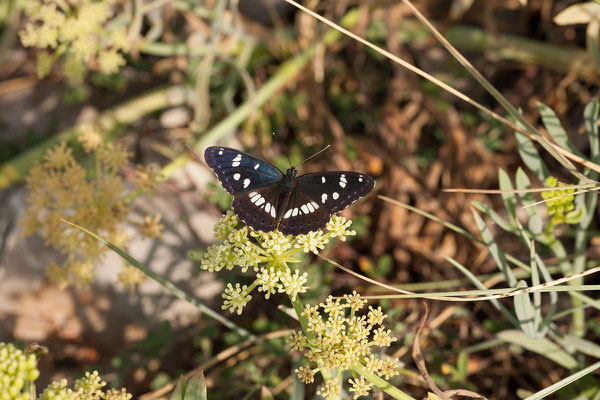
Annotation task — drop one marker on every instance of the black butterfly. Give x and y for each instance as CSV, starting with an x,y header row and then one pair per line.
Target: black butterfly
x,y
266,199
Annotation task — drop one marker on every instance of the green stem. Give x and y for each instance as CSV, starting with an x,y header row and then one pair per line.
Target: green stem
x,y
380,383
299,308
569,60
287,72
15,169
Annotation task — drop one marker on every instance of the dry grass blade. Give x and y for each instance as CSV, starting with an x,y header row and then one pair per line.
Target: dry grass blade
x,y
496,94
559,197
552,148
532,190
420,362
433,296
364,278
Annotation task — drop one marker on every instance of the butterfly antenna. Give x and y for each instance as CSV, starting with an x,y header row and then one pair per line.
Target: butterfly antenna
x,y
316,154
286,156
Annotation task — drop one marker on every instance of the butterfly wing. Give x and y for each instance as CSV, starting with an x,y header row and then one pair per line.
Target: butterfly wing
x,y
302,215
257,208
335,190
240,172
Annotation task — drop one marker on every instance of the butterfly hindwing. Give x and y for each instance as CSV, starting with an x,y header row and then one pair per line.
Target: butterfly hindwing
x,y
240,172
302,215
257,208
335,190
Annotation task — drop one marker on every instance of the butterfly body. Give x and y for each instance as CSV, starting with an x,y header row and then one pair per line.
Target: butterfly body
x,y
266,199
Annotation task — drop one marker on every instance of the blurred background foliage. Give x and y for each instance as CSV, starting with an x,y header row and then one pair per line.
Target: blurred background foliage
x,y
155,76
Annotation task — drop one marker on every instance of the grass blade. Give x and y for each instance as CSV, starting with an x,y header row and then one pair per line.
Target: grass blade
x,y
177,292
541,346
564,382
497,255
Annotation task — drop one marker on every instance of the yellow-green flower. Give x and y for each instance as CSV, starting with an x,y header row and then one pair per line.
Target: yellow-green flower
x,y
86,388
343,339
560,203
61,188
16,368
76,32
266,253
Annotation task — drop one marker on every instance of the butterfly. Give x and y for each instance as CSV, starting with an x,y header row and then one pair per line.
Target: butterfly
x,y
267,199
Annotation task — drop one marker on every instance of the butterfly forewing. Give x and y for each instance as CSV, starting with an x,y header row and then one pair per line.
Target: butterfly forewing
x,y
258,208
240,172
302,215
335,190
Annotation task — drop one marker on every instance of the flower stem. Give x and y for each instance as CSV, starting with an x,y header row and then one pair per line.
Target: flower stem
x,y
380,383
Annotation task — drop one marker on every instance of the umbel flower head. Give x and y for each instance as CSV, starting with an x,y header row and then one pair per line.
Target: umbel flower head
x,y
342,339
59,187
267,254
86,388
561,204
77,31
15,369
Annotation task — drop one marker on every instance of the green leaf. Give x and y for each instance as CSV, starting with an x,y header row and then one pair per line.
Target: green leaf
x,y
525,312
497,255
573,217
190,389
196,388
522,182
580,13
564,382
541,346
555,129
590,115
179,392
510,200
498,220
505,311
530,156
462,363
591,36
535,224
584,346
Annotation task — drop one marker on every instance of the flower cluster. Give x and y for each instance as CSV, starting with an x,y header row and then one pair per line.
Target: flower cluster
x,y
15,369
59,187
88,387
342,340
560,204
266,253
78,31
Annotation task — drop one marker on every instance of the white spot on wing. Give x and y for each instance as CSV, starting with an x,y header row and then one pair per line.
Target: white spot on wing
x,y
268,208
304,209
335,195
221,152
343,180
322,179
246,183
273,212
236,177
236,161
260,201
288,213
256,166
310,207
323,198
315,205
295,212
